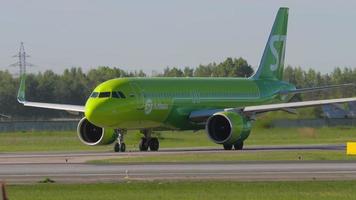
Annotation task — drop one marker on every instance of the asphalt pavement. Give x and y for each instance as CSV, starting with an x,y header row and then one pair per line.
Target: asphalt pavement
x,y
66,167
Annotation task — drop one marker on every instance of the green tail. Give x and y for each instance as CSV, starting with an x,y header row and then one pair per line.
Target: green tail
x,y
272,62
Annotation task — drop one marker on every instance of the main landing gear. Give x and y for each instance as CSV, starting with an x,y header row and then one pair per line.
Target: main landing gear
x,y
120,146
148,142
237,146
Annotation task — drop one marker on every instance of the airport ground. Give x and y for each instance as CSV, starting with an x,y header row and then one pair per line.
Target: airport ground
x,y
260,137
327,190
68,141
291,163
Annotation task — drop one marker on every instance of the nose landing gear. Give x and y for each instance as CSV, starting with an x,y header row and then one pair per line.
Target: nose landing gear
x,y
148,142
120,146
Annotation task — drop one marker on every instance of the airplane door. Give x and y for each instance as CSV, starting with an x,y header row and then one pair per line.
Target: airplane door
x,y
138,92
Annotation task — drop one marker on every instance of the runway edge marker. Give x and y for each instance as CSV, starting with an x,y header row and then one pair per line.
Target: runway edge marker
x,y
351,148
3,192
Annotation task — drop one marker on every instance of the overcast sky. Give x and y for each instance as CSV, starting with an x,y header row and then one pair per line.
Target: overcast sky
x,y
151,35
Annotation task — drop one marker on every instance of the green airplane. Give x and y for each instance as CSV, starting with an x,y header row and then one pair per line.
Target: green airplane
x,y
224,107
5,116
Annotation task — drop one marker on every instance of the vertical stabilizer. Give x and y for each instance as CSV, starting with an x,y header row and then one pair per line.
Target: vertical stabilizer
x,y
272,62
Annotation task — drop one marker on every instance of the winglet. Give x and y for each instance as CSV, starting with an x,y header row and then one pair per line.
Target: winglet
x,y
21,92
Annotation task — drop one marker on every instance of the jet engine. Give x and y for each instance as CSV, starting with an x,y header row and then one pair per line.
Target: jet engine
x,y
93,135
228,127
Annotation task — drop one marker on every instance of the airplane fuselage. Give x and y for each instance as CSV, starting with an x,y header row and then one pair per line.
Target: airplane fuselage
x,y
166,103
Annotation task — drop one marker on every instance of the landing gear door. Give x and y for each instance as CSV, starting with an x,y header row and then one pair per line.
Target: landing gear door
x,y
138,93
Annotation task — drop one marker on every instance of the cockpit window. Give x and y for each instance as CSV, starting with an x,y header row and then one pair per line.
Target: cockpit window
x,y
118,94
94,94
115,95
121,94
104,94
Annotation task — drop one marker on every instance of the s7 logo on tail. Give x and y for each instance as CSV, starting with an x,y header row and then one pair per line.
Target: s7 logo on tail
x,y
275,53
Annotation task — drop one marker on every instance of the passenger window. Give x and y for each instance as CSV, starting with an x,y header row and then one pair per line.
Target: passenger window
x,y
94,94
104,94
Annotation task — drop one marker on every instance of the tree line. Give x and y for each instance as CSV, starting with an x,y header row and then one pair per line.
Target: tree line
x,y
74,86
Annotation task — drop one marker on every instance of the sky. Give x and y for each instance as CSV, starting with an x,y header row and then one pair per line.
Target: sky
x,y
151,35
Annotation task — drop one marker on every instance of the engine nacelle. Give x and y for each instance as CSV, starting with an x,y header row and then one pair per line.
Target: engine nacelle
x,y
228,127
92,135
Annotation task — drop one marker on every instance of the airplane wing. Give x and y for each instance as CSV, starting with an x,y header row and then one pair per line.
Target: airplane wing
x,y
314,89
203,115
66,107
273,107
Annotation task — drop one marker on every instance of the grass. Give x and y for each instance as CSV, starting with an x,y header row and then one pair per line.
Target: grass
x,y
68,141
326,135
188,190
232,157
43,141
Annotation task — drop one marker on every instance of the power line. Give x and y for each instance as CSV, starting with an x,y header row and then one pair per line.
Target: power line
x,y
22,63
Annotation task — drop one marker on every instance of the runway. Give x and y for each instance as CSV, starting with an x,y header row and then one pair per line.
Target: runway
x,y
261,171
82,157
70,167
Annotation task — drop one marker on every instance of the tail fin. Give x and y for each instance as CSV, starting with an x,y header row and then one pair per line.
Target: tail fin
x,y
272,62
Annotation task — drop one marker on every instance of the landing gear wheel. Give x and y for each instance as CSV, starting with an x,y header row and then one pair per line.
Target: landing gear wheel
x,y
154,144
227,146
143,146
239,146
123,147
117,147
120,147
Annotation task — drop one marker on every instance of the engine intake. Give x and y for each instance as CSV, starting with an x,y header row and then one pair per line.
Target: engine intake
x,y
228,127
93,135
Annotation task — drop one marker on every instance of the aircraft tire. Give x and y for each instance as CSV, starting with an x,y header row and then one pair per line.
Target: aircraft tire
x,y
143,146
120,148
154,144
227,146
239,145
